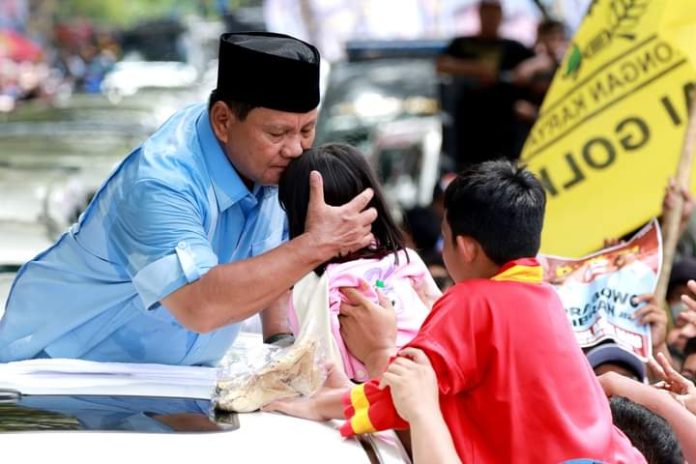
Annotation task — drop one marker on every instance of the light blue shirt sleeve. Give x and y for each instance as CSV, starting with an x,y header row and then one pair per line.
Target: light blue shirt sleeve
x,y
159,233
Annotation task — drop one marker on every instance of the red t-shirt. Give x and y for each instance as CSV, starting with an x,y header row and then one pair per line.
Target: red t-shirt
x,y
514,385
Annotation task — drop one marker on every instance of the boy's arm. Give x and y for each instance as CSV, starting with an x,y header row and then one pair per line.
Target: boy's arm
x,y
415,393
683,422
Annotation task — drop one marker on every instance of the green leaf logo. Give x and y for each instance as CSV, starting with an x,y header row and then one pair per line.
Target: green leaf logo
x,y
574,62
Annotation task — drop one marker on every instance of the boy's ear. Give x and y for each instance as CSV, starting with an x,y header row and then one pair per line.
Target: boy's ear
x,y
467,248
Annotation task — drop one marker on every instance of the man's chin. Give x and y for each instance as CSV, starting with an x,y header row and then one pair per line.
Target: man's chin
x,y
273,177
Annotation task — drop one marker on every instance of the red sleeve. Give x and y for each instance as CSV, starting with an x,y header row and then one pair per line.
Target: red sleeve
x,y
457,336
368,409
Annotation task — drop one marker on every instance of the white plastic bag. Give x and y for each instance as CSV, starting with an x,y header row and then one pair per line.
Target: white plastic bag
x,y
252,378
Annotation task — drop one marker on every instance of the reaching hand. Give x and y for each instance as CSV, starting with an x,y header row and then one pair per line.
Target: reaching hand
x,y
654,315
324,405
681,388
338,230
413,385
670,198
368,329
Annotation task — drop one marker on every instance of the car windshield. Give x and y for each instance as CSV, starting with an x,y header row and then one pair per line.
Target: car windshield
x,y
111,413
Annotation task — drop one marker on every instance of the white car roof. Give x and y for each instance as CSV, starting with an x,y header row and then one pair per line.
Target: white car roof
x,y
261,437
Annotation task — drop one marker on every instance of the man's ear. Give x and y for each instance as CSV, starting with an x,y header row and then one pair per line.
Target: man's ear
x,y
221,119
467,248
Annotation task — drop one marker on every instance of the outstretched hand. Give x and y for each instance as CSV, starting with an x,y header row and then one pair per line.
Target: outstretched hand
x,y
323,405
672,192
338,230
681,388
653,314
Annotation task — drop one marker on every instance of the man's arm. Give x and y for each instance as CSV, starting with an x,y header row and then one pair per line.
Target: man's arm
x,y
274,319
232,292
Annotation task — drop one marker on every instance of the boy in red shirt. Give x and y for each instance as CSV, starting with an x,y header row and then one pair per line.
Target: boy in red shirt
x,y
514,385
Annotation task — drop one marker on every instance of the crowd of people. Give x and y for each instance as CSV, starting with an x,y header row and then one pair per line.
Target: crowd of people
x,y
493,87
77,61
442,326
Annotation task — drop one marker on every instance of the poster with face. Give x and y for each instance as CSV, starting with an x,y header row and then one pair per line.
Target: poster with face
x,y
599,291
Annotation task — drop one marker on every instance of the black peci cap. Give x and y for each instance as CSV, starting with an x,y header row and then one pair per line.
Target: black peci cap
x,y
271,70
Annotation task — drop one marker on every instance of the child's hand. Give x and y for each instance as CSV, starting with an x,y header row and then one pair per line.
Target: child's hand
x,y
681,388
324,405
368,329
413,385
654,315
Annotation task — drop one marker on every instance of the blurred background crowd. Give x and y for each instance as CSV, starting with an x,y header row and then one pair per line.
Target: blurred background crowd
x,y
406,81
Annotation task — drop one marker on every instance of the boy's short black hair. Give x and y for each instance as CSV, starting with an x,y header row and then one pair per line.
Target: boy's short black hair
x,y
647,431
500,205
346,173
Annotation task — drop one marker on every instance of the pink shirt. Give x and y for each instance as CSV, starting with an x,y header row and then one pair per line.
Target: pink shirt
x,y
407,284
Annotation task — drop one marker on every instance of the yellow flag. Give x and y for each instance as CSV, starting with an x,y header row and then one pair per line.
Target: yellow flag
x,y
611,128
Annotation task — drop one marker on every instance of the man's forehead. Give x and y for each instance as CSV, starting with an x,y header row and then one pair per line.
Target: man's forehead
x,y
269,117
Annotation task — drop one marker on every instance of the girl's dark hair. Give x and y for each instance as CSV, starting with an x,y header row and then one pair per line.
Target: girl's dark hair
x,y
346,173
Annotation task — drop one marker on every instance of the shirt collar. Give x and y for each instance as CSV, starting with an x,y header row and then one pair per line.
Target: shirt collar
x,y
228,186
521,270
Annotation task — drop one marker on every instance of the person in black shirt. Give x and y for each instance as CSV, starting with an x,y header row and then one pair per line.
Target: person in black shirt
x,y
481,95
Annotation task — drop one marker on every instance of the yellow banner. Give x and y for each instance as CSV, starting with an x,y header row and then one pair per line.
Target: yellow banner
x,y
611,128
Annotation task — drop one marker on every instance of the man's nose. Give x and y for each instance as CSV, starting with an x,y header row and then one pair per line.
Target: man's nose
x,y
293,147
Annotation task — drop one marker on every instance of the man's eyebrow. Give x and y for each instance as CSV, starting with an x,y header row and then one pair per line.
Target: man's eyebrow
x,y
277,127
310,124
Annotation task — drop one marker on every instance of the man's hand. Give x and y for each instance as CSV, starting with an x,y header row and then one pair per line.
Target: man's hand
x,y
338,230
368,329
681,388
654,315
413,385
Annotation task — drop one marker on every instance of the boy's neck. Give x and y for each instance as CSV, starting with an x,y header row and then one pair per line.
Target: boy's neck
x,y
482,268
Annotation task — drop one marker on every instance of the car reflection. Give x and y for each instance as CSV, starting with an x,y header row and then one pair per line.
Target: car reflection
x,y
113,413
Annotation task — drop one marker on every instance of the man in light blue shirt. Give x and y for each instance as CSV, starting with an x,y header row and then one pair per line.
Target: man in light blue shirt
x,y
186,238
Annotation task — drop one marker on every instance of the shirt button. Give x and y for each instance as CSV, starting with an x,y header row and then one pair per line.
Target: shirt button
x,y
182,245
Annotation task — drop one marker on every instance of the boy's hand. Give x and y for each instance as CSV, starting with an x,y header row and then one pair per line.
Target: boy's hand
x,y
368,329
654,315
413,385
